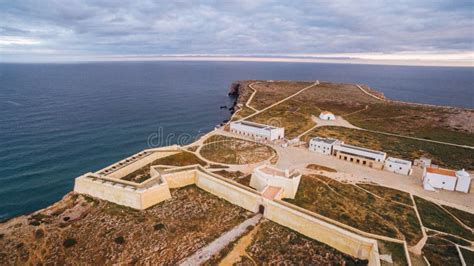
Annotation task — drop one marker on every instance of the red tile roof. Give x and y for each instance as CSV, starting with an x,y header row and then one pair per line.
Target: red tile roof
x,y
441,171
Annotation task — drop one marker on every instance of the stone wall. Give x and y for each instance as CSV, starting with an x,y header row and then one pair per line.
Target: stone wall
x,y
121,194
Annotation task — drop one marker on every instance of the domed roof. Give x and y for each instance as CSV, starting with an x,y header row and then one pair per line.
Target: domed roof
x,y
462,173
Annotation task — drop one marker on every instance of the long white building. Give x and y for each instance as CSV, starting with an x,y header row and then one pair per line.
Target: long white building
x,y
446,179
257,131
367,157
323,145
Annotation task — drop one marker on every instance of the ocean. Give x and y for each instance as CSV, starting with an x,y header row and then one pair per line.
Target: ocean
x,y
58,121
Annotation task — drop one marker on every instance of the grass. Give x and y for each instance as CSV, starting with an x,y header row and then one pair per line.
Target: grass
x,y
440,252
355,207
443,155
468,256
388,193
229,174
271,92
318,167
434,217
243,112
274,244
413,120
178,159
396,250
229,150
293,115
465,217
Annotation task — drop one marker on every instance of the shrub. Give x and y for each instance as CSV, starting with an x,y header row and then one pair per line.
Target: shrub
x,y
69,242
39,233
158,226
119,240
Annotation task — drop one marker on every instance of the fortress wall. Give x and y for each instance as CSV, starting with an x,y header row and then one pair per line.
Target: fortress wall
x,y
120,194
180,179
338,238
140,163
233,194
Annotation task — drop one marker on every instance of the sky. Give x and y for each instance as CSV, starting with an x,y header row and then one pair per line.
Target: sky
x,y
434,32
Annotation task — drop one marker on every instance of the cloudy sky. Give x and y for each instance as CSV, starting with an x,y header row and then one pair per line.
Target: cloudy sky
x,y
69,30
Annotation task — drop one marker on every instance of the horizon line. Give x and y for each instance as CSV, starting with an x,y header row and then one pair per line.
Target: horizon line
x,y
370,59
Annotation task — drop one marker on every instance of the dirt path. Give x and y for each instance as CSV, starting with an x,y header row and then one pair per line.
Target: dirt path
x,y
239,249
217,245
247,103
277,103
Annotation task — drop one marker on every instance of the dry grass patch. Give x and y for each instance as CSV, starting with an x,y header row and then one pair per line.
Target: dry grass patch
x,y
388,193
434,217
110,234
466,217
293,115
395,250
243,112
355,207
318,167
274,244
443,155
441,252
236,151
271,92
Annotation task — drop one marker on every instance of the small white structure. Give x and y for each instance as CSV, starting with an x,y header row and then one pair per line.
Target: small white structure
x,y
464,181
398,166
257,131
323,145
325,115
265,175
423,162
446,179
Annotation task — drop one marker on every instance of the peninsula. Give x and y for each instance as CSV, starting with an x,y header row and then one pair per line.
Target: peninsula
x,y
304,172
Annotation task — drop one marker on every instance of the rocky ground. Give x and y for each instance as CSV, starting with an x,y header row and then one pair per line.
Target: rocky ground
x,y
80,230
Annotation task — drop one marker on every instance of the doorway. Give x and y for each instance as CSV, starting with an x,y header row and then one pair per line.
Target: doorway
x,y
261,209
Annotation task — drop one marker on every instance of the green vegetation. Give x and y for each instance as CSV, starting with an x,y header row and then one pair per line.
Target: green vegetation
x,y
465,217
434,217
443,155
318,167
388,193
355,207
396,250
119,240
468,256
440,252
69,242
178,159
235,151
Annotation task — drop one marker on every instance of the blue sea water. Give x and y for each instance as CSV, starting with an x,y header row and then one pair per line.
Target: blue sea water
x,y
58,121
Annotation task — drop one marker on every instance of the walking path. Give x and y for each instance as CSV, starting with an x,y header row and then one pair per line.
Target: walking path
x,y
277,103
251,96
217,245
370,94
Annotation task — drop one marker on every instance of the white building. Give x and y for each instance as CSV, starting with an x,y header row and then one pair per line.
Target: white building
x,y
325,115
267,176
446,179
363,156
323,145
423,162
398,166
257,131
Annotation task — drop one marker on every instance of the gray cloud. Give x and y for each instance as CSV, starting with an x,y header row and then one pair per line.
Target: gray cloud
x,y
89,28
